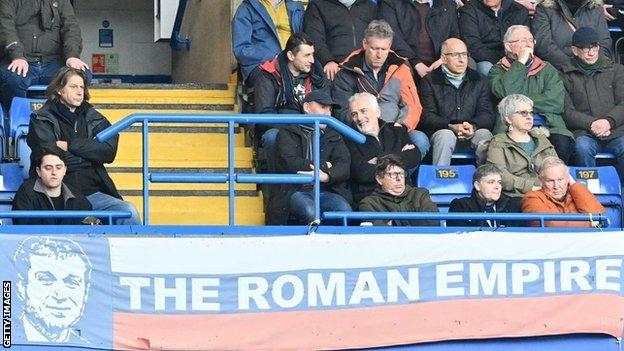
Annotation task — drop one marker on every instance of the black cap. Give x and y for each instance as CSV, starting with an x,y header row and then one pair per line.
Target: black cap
x,y
320,96
584,37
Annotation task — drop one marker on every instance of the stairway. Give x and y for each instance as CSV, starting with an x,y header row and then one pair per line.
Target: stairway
x,y
179,148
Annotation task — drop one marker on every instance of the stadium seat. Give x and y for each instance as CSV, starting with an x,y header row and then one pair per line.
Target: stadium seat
x,y
604,183
446,183
538,120
10,180
19,117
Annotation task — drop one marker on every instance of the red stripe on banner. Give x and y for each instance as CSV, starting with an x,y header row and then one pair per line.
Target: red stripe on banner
x,y
373,326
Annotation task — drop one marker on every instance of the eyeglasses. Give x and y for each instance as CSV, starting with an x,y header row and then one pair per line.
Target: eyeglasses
x,y
524,113
523,40
457,55
593,47
396,175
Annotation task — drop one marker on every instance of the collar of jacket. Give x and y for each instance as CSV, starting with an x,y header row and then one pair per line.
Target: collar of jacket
x,y
570,66
329,133
438,76
273,68
259,8
536,66
505,5
500,204
40,188
354,61
541,143
552,4
395,198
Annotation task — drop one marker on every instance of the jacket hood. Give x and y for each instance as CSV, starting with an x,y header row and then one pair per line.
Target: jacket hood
x,y
551,4
354,61
273,67
40,188
395,198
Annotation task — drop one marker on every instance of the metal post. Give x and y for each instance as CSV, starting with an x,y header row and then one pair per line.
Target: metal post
x,y
317,168
145,171
231,180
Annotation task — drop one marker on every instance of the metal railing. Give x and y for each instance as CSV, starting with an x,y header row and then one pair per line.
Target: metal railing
x,y
231,177
110,215
463,216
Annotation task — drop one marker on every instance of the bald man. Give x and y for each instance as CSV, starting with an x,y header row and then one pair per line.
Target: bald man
x,y
458,111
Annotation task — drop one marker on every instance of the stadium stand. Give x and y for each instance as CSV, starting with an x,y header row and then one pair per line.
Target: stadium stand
x,y
10,181
19,116
446,183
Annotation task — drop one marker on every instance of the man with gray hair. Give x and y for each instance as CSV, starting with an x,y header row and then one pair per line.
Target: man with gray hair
x,y
560,193
521,72
377,70
382,138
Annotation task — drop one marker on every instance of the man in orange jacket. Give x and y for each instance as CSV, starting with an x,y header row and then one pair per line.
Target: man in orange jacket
x,y
560,193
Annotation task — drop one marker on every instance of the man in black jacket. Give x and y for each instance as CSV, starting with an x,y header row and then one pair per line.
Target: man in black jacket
x,y
382,138
69,122
457,105
38,38
483,23
283,83
48,192
337,28
420,27
294,155
486,197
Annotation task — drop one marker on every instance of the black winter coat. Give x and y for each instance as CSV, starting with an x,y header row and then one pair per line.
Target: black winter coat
x,y
443,104
45,130
293,156
31,196
483,31
441,23
595,96
392,139
476,204
44,28
335,29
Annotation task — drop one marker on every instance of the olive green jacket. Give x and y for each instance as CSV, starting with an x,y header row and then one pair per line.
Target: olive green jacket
x,y
541,83
519,170
412,200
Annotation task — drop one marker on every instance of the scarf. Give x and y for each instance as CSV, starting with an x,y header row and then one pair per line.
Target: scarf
x,y
347,3
587,68
454,78
69,116
534,66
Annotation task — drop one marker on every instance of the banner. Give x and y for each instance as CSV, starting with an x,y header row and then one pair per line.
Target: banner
x,y
307,292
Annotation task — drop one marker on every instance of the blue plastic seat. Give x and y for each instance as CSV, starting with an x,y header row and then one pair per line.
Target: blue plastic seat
x,y
604,183
10,182
446,183
19,116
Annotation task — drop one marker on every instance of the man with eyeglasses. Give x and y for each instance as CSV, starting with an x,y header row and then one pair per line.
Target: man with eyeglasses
x,y
594,105
393,195
457,105
560,193
522,72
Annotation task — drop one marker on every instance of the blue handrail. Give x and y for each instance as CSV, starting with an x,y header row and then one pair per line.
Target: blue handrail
x,y
542,217
110,215
231,177
177,43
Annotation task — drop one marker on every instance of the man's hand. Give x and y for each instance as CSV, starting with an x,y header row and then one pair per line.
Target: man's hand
x,y
530,5
605,11
458,129
421,69
536,188
323,177
437,63
19,66
76,63
525,54
408,147
600,127
62,145
329,165
373,161
331,68
468,130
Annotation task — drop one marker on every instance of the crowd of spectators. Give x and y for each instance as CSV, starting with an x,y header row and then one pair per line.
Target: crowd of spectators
x,y
529,87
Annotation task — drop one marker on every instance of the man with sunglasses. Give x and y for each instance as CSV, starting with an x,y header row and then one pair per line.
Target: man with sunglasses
x,y
458,111
393,195
594,105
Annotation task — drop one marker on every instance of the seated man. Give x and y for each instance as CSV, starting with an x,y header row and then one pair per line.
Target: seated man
x,y
487,197
69,122
560,193
38,38
521,72
47,192
294,155
337,27
420,27
282,84
260,29
482,24
375,69
594,106
393,195
457,105
382,138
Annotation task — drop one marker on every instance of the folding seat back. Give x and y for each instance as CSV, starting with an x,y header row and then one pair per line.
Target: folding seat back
x,y
19,115
10,180
604,183
446,183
